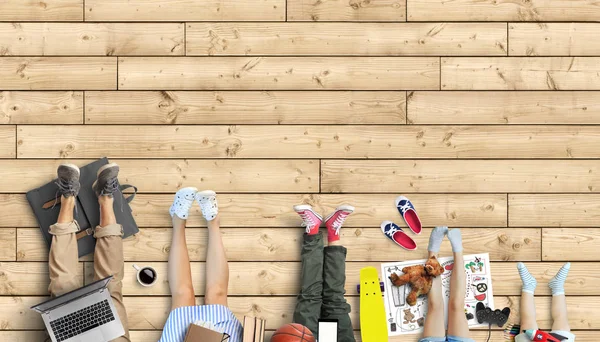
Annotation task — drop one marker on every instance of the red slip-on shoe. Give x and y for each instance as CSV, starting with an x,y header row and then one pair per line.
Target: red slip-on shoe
x,y
407,210
396,234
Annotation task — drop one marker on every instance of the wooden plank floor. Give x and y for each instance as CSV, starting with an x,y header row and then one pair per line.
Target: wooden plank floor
x,y
485,113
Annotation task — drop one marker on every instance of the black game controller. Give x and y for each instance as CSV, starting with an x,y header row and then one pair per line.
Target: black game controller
x,y
487,315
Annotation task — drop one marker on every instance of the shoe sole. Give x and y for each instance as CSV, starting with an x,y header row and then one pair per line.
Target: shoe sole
x,y
401,198
72,166
206,193
302,207
195,190
343,207
104,167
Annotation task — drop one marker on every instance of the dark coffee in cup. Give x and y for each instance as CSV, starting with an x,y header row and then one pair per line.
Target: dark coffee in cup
x,y
147,276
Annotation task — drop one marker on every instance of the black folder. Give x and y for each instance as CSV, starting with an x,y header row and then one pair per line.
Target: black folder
x,y
43,201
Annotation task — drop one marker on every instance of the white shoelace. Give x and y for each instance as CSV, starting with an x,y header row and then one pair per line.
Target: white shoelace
x,y
393,230
307,221
339,221
209,207
405,208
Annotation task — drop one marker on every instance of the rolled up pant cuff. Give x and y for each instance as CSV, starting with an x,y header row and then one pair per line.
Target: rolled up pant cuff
x,y
64,228
110,230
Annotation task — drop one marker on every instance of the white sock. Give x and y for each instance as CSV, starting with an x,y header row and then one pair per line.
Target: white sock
x,y
529,282
436,238
455,238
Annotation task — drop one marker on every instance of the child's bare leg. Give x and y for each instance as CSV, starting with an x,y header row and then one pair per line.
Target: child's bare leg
x,y
458,325
527,312
178,270
217,269
434,321
559,302
559,313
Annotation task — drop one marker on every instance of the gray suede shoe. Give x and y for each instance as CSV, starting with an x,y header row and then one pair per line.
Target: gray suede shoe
x,y
107,183
68,180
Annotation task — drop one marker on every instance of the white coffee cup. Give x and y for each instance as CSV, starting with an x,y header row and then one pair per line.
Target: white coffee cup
x,y
146,276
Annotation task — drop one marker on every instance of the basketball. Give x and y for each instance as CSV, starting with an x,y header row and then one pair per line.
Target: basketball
x,y
293,333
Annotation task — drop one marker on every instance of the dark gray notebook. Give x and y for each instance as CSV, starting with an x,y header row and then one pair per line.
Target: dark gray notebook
x,y
42,201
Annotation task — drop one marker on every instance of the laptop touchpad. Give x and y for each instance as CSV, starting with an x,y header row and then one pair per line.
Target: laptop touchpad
x,y
92,336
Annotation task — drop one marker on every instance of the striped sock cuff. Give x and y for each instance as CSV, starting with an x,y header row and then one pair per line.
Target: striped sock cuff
x,y
557,283
529,282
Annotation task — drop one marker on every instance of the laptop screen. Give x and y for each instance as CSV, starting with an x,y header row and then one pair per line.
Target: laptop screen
x,y
70,296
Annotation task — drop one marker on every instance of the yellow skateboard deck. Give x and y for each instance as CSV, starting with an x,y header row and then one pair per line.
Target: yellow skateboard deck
x,y
373,326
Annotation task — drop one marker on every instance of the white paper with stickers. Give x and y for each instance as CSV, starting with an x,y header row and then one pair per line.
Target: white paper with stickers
x,y
405,319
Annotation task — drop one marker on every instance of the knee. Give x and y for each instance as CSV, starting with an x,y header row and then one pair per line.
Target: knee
x,y
456,305
216,295
434,305
183,291
63,284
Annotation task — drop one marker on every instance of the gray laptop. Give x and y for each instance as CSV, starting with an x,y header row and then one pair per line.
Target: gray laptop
x,y
86,314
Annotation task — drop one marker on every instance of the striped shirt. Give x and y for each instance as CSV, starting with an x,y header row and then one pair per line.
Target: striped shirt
x,y
180,319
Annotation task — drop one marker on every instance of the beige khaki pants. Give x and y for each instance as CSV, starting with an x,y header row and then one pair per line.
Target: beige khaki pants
x,y
63,263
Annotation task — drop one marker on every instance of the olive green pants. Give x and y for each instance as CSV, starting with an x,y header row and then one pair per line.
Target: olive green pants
x,y
322,292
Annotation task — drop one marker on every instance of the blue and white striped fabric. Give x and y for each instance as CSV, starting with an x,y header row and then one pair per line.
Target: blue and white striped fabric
x,y
180,319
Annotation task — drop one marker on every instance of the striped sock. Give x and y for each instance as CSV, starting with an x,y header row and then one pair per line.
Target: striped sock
x,y
529,282
557,283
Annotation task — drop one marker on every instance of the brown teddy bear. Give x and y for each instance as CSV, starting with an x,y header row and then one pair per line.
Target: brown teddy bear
x,y
409,317
420,278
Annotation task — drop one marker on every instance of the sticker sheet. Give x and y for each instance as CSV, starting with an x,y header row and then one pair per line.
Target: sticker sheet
x,y
405,319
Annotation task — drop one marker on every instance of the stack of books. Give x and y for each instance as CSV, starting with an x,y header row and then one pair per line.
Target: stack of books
x,y
254,329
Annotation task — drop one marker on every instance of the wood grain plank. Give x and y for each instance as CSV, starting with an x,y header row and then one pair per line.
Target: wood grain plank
x,y
13,203
553,39
144,314
270,210
41,107
276,244
91,39
503,107
168,176
29,278
8,244
368,39
582,242
560,210
58,73
184,10
283,278
503,10
47,10
8,141
23,335
464,176
339,10
356,142
247,107
278,73
154,335
275,210
520,73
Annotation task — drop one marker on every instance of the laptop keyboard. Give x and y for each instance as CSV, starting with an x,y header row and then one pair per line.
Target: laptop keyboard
x,y
82,320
